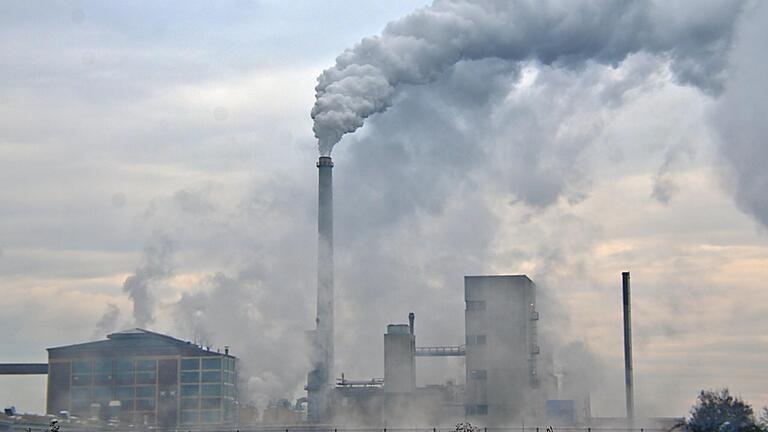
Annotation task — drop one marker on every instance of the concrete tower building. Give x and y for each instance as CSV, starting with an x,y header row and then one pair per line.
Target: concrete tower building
x,y
501,347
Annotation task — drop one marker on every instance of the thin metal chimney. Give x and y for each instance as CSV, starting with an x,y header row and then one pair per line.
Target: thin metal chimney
x,y
320,380
411,319
630,398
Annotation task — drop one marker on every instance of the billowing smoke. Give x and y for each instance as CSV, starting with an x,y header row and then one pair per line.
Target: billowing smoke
x,y
108,322
418,48
740,118
155,266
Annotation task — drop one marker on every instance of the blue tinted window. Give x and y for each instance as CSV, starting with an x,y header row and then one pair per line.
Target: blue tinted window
x,y
145,377
210,416
124,378
190,390
145,404
124,392
102,366
145,392
81,393
190,364
211,376
123,365
212,363
211,390
189,417
190,377
81,367
102,393
210,403
189,403
81,380
102,379
146,365
80,406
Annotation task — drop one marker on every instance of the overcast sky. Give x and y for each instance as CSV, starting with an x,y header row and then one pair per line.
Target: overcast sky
x,y
171,142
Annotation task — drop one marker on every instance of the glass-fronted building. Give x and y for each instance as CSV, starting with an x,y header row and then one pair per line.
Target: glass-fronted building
x,y
141,377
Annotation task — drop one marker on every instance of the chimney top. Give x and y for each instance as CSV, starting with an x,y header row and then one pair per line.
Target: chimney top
x,y
325,161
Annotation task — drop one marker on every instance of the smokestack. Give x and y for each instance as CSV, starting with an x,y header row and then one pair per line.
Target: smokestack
x,y
320,380
411,319
628,347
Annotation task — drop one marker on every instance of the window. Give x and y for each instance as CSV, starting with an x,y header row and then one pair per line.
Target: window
x,y
476,409
478,374
212,363
475,339
145,391
80,406
189,403
210,416
211,403
146,377
190,390
126,404
123,365
81,367
102,366
476,305
102,379
102,393
189,417
211,376
145,404
190,364
124,392
211,390
125,378
190,377
146,365
81,393
81,380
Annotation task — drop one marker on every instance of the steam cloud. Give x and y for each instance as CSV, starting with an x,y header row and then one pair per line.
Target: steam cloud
x,y
107,322
740,119
156,266
418,48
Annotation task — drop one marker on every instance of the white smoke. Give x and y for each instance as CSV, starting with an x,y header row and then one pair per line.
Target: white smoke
x,y
156,266
739,117
108,322
418,48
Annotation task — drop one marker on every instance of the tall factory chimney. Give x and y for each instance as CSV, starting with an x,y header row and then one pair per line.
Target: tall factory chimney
x,y
320,379
630,398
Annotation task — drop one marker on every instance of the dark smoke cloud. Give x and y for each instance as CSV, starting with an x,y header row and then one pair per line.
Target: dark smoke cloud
x,y
740,117
156,266
418,48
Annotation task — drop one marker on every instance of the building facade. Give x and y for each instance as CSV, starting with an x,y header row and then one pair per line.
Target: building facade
x,y
501,347
141,377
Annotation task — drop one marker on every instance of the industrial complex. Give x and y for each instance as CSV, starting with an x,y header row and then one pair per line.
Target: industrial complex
x,y
139,377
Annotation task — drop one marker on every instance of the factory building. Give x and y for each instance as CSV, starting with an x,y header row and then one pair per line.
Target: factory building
x,y
141,377
501,347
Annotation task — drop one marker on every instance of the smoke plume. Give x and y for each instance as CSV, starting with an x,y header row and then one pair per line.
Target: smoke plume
x,y
740,118
418,48
108,322
156,265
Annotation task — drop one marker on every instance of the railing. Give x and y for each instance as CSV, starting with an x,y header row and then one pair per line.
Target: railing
x,y
320,428
441,351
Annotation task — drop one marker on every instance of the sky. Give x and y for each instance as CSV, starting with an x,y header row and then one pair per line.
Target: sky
x,y
158,162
